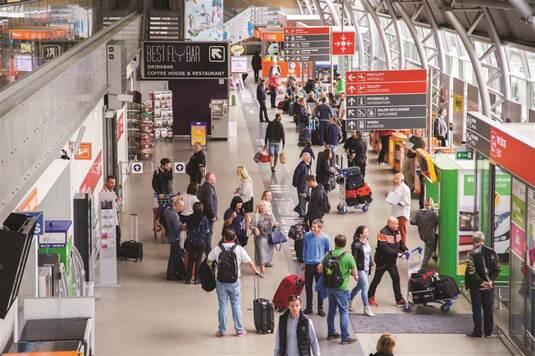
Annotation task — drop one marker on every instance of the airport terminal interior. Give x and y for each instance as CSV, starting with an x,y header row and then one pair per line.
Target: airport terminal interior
x,y
285,177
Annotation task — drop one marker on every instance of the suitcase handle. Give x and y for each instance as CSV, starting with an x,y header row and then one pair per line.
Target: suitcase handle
x,y
134,221
256,286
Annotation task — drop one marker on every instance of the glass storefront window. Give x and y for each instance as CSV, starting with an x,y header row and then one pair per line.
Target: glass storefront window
x,y
531,63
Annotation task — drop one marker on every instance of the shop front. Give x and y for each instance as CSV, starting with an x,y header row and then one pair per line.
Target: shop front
x,y
504,209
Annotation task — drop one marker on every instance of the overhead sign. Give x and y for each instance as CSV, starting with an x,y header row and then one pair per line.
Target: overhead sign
x,y
343,43
265,16
180,167
386,100
136,167
185,60
307,44
464,155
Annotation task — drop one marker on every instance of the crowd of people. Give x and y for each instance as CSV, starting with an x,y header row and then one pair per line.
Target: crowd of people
x,y
323,264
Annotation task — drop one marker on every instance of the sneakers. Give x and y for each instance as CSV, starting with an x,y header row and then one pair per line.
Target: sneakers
x,y
474,335
348,341
241,333
368,311
373,302
321,313
401,301
333,336
219,333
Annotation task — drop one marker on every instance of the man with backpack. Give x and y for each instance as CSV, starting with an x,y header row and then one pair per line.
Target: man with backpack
x,y
228,257
316,244
337,266
318,202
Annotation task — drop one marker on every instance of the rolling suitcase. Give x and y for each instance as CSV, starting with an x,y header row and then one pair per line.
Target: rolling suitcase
x,y
290,285
263,310
304,136
316,137
133,249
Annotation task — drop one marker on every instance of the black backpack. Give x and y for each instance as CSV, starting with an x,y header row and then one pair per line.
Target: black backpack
x,y
332,273
227,265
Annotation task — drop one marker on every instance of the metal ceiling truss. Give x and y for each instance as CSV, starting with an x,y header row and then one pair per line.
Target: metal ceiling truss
x,y
328,14
305,7
371,10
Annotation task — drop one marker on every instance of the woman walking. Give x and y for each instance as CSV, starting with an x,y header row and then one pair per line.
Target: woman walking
x,y
196,241
245,192
266,199
235,219
323,168
362,252
262,225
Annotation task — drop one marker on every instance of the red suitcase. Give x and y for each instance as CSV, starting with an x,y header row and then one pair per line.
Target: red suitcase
x,y
290,285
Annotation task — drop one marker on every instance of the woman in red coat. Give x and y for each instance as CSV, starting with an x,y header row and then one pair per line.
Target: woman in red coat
x,y
274,85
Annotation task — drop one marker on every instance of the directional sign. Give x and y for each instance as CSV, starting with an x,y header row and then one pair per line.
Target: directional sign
x,y
136,168
180,167
306,44
343,43
185,60
386,100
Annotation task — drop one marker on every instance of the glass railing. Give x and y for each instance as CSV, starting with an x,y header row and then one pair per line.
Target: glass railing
x,y
33,33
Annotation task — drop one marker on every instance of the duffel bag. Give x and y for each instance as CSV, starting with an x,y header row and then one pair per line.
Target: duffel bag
x,y
351,194
364,191
421,281
298,231
446,288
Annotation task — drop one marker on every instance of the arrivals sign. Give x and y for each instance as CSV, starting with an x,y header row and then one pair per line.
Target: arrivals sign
x,y
307,44
185,60
386,100
343,43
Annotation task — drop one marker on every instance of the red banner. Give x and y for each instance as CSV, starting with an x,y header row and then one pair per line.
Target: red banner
x,y
343,43
512,154
120,125
386,88
411,75
93,176
306,30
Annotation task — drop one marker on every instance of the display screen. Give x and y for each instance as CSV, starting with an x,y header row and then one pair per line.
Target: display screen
x,y
24,62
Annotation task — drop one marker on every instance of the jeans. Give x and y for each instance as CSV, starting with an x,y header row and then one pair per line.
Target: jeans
x,y
324,127
194,256
230,291
301,207
333,149
256,74
274,148
273,92
362,286
263,110
392,269
311,274
298,247
384,149
429,250
175,257
338,300
482,299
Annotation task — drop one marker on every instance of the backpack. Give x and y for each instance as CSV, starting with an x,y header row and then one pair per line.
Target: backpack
x,y
227,265
332,272
326,206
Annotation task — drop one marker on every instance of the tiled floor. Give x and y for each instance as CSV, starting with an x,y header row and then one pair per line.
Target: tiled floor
x,y
151,316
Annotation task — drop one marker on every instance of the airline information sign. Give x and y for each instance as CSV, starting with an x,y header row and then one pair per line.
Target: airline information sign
x,y
307,44
386,100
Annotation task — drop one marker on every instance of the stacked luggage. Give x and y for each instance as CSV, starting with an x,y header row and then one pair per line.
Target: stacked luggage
x,y
430,287
356,191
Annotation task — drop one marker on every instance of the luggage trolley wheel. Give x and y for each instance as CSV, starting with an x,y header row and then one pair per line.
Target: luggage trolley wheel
x,y
445,307
408,307
365,207
342,208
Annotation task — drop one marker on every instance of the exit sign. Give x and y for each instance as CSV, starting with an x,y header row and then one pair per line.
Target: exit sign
x,y
464,155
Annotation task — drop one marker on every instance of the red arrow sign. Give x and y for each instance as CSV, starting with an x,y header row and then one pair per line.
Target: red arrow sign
x,y
306,30
343,43
411,75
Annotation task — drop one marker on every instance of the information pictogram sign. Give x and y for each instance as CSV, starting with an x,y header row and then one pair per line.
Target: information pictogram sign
x,y
343,43
306,44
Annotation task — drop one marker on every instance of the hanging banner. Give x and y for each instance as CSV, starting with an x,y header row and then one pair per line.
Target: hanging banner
x,y
198,132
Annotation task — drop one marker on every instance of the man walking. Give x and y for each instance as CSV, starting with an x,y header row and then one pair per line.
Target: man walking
x,y
256,63
274,138
316,244
261,96
482,269
228,257
427,220
400,200
389,248
299,181
172,234
337,266
324,112
318,201
208,198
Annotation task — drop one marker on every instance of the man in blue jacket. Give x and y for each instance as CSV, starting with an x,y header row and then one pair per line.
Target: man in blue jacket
x,y
324,112
299,181
261,96
316,245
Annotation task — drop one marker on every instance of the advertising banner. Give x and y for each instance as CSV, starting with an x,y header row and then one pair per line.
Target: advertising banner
x,y
198,132
518,218
531,228
204,20
238,64
502,213
466,217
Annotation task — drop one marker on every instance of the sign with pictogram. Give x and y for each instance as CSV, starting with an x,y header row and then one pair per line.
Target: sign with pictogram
x,y
386,100
306,44
343,43
180,167
136,167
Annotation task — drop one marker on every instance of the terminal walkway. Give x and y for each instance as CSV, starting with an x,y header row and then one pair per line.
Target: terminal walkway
x,y
149,315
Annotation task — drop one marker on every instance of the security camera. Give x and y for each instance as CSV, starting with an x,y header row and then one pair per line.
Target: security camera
x,y
64,155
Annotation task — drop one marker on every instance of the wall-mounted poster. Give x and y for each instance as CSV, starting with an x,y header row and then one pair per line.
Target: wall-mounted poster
x,y
466,215
204,20
518,219
531,227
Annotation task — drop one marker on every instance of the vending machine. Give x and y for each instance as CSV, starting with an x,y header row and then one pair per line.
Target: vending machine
x,y
219,119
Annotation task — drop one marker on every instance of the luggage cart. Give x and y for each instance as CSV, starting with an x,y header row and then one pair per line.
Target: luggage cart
x,y
363,202
159,205
414,262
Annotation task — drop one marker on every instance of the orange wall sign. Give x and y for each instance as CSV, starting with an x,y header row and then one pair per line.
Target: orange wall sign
x,y
84,151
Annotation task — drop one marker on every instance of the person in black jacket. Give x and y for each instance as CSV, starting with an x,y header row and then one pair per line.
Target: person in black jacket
x,y
323,168
308,149
261,96
362,252
196,164
389,248
482,269
302,113
299,181
208,198
357,151
318,200
256,63
162,179
427,222
273,139
331,139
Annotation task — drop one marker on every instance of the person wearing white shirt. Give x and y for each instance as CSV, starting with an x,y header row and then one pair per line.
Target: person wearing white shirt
x,y
230,290
246,193
189,199
109,187
400,199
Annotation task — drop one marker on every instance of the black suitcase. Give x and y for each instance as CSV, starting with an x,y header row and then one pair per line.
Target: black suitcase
x,y
354,182
133,249
264,312
316,137
446,288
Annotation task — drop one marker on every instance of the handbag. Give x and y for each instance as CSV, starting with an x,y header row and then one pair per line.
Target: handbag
x,y
282,157
277,237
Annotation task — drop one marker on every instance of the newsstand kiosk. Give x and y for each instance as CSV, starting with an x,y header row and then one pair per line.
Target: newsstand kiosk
x,y
508,150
